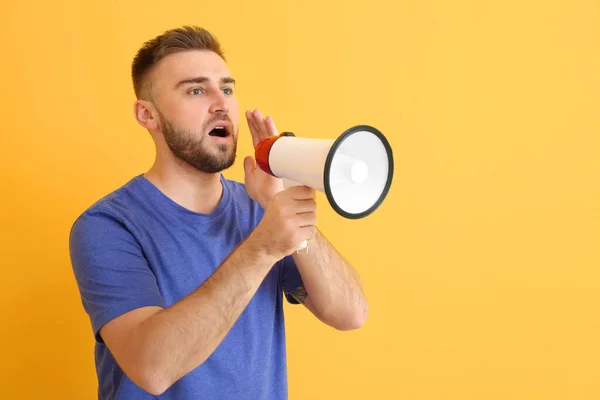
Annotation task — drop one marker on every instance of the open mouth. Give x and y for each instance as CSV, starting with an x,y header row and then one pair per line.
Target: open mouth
x,y
219,131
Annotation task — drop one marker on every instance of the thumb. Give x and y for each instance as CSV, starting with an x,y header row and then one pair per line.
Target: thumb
x,y
249,165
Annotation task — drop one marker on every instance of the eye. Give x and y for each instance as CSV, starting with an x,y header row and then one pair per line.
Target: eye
x,y
196,91
228,91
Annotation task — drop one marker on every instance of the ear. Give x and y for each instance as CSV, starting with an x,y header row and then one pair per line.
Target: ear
x,y
146,115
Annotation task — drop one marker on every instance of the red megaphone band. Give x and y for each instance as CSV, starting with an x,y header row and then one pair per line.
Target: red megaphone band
x,y
263,148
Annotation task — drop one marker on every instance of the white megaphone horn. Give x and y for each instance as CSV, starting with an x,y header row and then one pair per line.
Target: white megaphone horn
x,y
354,171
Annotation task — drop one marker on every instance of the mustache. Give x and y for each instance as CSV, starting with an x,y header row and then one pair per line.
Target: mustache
x,y
219,117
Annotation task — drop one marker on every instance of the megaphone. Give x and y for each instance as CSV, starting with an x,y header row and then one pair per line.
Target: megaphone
x,y
354,170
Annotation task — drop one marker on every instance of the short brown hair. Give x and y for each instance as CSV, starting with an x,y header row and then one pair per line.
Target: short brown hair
x,y
171,41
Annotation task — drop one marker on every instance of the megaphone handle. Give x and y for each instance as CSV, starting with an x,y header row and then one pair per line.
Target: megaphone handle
x,y
288,184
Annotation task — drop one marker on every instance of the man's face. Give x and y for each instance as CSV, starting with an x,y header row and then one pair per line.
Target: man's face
x,y
199,114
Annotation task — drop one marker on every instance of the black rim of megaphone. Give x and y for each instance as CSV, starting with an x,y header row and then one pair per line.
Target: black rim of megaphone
x,y
336,144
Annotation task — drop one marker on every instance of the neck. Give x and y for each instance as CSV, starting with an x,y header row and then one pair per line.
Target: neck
x,y
195,190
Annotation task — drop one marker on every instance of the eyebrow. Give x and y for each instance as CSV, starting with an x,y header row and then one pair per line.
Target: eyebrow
x,y
204,79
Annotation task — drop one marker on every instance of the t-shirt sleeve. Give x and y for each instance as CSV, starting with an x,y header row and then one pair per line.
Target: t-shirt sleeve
x,y
111,271
290,278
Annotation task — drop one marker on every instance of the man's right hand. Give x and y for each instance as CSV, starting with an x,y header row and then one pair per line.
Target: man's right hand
x,y
289,219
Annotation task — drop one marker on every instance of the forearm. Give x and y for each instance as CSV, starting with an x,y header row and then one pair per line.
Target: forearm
x,y
179,338
333,287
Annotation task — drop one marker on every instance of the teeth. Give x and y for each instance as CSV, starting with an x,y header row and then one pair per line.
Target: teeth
x,y
222,131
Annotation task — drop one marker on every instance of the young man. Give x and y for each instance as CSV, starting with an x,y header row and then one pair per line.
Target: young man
x,y
183,272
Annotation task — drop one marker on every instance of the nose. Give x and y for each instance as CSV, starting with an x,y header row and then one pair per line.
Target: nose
x,y
219,103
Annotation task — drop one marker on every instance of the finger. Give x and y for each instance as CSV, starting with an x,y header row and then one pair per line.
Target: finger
x,y
306,219
254,131
255,123
249,166
271,128
263,131
258,115
250,120
302,193
305,206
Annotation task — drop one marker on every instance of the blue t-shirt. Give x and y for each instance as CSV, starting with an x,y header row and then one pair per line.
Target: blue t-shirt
x,y
136,247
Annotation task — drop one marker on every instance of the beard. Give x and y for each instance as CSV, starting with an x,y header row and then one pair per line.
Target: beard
x,y
189,146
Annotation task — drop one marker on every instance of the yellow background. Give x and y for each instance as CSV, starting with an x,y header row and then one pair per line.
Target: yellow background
x,y
482,266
